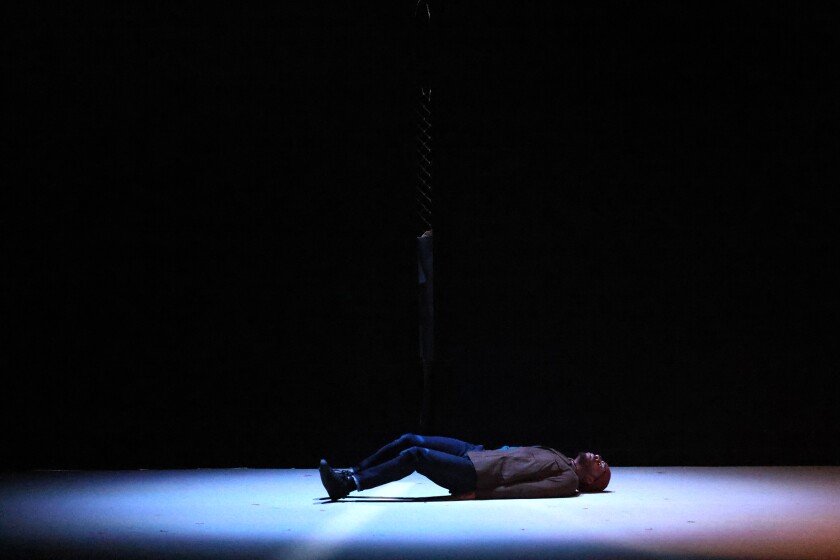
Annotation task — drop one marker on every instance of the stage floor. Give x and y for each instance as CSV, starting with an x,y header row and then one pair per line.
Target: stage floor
x,y
649,512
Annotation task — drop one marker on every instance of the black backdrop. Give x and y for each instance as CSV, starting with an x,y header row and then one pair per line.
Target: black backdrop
x,y
209,233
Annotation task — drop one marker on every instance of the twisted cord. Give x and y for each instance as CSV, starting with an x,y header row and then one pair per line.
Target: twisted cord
x,y
424,157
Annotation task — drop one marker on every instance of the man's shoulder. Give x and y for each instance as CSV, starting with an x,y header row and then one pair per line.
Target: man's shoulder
x,y
551,450
523,450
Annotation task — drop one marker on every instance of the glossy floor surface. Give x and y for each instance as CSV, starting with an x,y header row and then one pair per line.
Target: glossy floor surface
x,y
649,512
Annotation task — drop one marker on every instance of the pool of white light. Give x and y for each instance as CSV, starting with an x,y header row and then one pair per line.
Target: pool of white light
x,y
666,512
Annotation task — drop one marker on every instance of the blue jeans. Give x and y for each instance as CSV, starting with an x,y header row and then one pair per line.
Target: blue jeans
x,y
442,460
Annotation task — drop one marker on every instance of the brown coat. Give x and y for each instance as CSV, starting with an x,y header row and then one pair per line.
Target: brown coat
x,y
523,472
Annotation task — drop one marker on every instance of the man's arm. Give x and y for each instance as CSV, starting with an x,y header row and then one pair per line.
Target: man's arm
x,y
560,486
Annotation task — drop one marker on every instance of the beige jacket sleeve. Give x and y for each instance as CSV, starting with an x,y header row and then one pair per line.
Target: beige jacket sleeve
x,y
560,486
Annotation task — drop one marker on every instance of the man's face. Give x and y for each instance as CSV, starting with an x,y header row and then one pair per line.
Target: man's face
x,y
591,466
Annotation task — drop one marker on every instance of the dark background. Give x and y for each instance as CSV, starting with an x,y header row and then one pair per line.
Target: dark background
x,y
209,220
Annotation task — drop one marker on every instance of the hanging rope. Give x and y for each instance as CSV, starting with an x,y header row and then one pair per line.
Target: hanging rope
x,y
425,261
424,157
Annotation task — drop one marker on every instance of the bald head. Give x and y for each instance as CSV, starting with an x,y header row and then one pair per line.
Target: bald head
x,y
600,483
593,472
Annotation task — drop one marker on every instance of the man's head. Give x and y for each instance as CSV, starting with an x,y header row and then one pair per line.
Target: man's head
x,y
593,472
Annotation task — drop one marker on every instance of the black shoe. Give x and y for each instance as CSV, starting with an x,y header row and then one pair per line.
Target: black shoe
x,y
338,484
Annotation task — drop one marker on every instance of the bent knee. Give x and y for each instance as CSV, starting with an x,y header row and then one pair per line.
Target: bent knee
x,y
417,454
411,439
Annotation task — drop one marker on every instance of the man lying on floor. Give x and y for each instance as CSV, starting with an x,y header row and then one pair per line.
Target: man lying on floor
x,y
469,471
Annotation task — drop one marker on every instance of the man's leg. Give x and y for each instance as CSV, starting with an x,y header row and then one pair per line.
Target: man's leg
x,y
450,446
456,474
